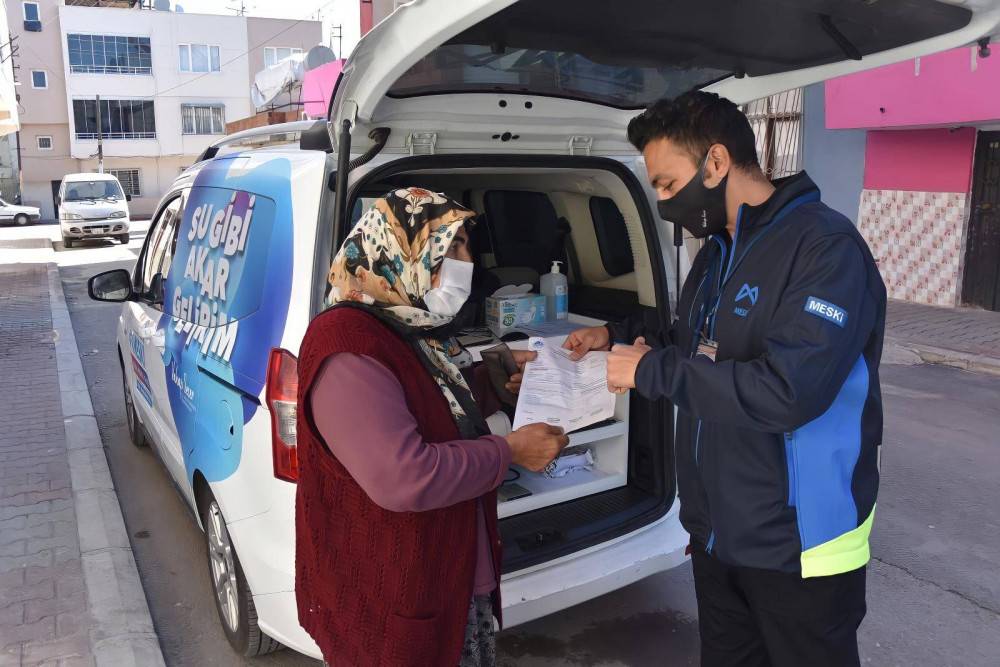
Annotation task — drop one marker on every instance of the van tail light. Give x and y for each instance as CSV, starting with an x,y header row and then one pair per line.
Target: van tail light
x,y
282,393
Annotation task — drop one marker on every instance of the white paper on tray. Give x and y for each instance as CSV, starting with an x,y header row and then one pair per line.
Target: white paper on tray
x,y
559,391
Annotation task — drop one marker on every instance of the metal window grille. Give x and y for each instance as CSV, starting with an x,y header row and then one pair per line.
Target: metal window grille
x,y
129,178
43,142
203,119
109,54
777,125
120,119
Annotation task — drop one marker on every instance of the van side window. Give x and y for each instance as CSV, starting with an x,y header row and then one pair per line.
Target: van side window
x,y
159,250
612,236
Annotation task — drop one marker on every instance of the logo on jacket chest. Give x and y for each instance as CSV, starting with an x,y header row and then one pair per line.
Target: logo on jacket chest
x,y
746,299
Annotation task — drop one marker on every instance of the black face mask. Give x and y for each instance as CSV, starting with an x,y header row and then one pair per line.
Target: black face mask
x,y
696,208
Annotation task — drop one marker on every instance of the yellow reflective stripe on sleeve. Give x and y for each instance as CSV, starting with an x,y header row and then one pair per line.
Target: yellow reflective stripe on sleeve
x,y
841,554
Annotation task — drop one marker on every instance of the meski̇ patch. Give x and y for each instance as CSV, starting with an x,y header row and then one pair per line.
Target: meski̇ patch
x,y
826,310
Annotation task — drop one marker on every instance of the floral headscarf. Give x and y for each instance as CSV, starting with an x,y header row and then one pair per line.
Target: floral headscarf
x,y
387,263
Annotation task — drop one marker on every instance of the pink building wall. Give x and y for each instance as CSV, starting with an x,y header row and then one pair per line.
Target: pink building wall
x,y
317,88
953,88
914,210
937,160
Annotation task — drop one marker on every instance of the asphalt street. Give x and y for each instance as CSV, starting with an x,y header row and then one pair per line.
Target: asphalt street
x,y
934,593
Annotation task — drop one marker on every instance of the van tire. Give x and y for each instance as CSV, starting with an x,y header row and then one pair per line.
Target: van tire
x,y
247,638
123,239
68,243
135,432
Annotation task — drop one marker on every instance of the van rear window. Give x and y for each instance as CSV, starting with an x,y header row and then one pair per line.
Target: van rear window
x,y
629,54
475,68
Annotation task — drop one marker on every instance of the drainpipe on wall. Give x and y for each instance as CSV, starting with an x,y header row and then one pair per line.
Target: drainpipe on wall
x,y
367,16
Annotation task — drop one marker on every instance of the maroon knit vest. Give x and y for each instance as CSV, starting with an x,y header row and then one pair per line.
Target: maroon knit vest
x,y
376,587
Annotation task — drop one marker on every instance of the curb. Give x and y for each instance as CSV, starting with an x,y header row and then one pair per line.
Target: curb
x,y
121,630
930,354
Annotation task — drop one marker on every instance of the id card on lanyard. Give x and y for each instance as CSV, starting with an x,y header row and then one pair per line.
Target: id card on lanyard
x,y
707,347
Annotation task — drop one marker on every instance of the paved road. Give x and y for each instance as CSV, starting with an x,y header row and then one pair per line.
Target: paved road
x,y
934,596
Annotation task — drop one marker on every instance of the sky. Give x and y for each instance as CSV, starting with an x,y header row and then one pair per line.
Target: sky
x,y
331,12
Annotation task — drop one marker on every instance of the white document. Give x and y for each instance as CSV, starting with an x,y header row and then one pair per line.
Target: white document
x,y
562,392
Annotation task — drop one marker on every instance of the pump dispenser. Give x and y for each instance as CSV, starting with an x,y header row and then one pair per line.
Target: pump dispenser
x,y
555,289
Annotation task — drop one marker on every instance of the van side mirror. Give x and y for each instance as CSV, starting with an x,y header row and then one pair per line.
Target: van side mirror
x,y
113,286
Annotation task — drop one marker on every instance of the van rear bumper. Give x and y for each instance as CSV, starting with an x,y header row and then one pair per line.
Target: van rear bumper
x,y
538,591
528,594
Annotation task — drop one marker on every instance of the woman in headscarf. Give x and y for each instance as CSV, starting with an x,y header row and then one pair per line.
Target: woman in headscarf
x,y
398,550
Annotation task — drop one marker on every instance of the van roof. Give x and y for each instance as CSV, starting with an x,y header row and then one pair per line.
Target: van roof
x,y
89,177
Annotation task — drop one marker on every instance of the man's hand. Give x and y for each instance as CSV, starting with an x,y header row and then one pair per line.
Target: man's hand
x,y
536,445
582,341
622,364
521,357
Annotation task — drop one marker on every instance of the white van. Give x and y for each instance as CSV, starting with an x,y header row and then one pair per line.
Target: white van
x,y
518,109
92,206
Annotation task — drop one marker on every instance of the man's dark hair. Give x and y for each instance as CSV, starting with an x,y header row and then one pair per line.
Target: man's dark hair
x,y
695,121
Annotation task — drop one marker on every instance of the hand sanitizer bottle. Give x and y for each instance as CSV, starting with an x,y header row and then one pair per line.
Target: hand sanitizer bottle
x,y
555,289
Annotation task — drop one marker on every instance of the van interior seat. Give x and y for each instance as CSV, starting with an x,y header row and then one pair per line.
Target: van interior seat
x,y
524,229
576,208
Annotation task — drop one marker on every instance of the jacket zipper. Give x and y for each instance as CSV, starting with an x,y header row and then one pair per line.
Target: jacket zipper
x,y
718,290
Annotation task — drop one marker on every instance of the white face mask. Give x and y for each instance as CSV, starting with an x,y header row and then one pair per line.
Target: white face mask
x,y
453,289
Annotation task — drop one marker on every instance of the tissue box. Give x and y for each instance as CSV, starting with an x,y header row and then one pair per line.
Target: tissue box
x,y
513,306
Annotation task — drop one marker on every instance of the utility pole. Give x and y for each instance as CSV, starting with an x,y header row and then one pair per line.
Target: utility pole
x,y
100,139
339,36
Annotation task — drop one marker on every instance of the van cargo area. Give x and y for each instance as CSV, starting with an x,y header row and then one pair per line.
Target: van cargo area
x,y
593,215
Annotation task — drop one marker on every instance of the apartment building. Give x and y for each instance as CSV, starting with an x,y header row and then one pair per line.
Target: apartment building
x,y
9,117
167,82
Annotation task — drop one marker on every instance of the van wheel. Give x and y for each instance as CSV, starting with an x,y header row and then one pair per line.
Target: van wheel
x,y
68,243
123,239
135,432
21,220
233,599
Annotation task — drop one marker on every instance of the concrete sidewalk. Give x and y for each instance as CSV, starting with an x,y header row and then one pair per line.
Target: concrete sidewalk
x,y
69,590
962,337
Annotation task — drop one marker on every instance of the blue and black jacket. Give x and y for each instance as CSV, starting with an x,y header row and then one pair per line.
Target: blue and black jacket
x,y
777,439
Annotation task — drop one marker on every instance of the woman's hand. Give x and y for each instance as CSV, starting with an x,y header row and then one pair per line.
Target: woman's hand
x,y
536,445
521,357
582,341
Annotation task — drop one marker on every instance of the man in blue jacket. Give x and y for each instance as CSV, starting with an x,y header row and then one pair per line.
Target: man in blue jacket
x,y
773,365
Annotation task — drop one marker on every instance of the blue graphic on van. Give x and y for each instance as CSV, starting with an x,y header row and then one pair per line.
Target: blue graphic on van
x,y
226,300
138,355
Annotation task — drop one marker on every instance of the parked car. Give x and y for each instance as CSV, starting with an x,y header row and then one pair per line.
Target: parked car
x,y
92,206
19,215
519,110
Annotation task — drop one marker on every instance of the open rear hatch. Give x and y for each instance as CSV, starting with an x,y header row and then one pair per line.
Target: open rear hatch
x,y
498,87
617,57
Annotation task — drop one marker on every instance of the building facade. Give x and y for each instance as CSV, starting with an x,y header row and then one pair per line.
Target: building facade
x,y
167,82
9,117
917,144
